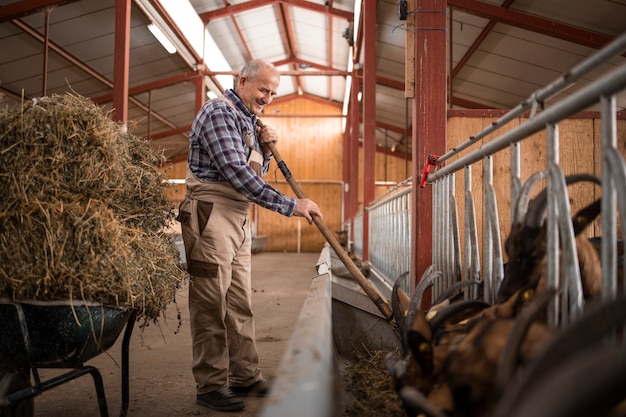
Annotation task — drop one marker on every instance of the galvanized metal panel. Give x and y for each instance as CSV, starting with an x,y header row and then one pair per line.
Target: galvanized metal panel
x,y
311,37
262,34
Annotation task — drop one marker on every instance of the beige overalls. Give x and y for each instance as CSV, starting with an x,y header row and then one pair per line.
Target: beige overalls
x,y
216,233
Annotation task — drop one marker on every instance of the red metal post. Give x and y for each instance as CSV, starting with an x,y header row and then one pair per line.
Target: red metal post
x,y
46,50
200,93
121,66
369,115
429,119
355,122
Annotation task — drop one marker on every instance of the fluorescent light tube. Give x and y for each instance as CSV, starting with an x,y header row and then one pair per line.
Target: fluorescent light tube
x,y
160,36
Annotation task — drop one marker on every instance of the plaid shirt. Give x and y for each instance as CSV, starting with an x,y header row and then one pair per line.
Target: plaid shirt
x,y
218,152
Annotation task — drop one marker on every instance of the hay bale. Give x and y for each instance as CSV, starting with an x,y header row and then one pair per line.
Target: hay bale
x,y
83,209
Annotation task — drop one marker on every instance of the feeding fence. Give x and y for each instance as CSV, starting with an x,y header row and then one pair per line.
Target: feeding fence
x,y
463,251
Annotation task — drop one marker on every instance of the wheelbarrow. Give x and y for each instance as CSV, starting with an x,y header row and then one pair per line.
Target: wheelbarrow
x,y
57,334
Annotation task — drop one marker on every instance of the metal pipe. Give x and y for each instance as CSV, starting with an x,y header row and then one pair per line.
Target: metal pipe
x,y
46,44
615,48
607,85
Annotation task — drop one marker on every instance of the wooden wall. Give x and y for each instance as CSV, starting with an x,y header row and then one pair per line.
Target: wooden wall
x,y
579,153
312,147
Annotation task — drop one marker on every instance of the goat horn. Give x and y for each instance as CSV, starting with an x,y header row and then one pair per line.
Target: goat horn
x,y
453,310
537,207
425,282
453,289
399,302
522,200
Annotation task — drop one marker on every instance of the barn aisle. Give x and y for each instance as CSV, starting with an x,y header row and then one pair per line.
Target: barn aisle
x,y
161,384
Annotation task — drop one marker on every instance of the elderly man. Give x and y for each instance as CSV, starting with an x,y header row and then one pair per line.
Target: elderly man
x,y
227,161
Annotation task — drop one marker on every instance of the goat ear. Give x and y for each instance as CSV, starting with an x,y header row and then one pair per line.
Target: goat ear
x,y
419,340
585,216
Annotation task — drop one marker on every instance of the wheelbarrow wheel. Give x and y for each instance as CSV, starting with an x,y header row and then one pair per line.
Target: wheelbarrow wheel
x,y
11,382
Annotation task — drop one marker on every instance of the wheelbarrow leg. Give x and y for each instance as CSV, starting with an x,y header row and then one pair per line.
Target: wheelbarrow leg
x,y
125,364
102,399
14,399
11,381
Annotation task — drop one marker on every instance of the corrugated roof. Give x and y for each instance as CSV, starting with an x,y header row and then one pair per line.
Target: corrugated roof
x,y
500,53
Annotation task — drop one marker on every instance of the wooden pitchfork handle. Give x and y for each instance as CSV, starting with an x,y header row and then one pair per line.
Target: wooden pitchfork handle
x,y
369,289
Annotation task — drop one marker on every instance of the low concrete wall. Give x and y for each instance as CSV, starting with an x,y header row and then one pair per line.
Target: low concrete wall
x,y
336,320
306,385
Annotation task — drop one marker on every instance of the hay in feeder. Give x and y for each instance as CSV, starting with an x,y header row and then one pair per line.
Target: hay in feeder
x,y
369,388
83,209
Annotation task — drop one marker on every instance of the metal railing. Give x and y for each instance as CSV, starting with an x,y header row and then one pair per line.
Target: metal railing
x,y
390,215
560,237
358,234
390,234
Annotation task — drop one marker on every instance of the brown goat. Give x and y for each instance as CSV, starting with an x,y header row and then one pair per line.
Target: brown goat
x,y
526,245
453,359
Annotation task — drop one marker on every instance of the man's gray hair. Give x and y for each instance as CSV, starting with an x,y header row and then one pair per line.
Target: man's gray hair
x,y
251,69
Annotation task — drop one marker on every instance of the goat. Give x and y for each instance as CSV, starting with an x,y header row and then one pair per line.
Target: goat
x,y
451,356
551,385
526,244
461,358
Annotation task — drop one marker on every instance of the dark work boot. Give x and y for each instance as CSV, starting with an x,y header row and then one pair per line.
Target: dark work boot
x,y
221,399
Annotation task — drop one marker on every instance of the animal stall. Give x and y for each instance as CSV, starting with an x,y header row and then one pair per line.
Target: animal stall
x,y
490,343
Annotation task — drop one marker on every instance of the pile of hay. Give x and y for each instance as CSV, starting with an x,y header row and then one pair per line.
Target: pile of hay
x,y
83,209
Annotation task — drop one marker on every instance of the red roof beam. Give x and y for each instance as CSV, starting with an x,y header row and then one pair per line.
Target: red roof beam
x,y
239,33
287,34
165,82
533,23
478,41
301,73
255,4
25,7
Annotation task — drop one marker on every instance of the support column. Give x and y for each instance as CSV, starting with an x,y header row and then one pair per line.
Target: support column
x,y
429,120
200,93
121,66
355,123
369,115
345,168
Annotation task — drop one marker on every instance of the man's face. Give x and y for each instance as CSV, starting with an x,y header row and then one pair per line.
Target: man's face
x,y
258,93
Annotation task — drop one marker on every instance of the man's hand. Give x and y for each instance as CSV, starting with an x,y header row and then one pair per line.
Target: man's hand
x,y
307,208
266,135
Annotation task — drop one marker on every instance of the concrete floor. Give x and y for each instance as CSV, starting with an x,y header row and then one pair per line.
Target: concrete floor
x,y
161,384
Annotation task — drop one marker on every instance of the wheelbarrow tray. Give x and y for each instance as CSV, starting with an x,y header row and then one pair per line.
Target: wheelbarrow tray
x,y
56,334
